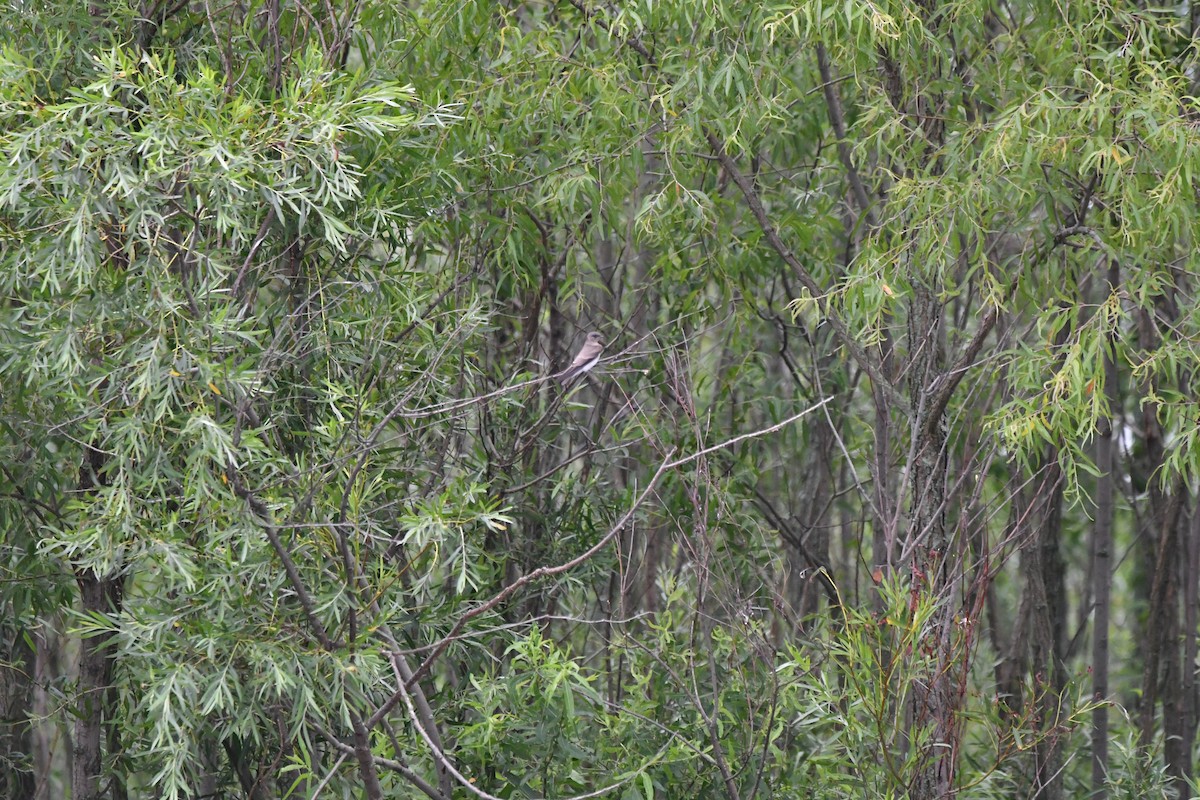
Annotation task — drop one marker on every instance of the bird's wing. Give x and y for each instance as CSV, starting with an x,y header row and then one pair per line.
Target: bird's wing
x,y
588,352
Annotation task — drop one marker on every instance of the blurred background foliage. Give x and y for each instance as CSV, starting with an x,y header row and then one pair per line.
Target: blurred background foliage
x,y
886,484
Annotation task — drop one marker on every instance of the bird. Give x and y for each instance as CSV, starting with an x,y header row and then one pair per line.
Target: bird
x,y
587,357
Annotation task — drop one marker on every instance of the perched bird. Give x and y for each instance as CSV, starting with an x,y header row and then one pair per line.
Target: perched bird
x,y
587,357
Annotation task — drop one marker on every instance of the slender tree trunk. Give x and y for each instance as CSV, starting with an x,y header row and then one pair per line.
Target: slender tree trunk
x,y
1162,649
1102,567
1047,642
96,657
934,698
1176,671
1162,646
1189,709
811,513
1011,667
1037,644
885,519
16,731
53,763
365,758
98,595
1174,584
42,749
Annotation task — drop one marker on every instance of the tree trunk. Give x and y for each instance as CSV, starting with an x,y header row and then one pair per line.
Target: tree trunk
x,y
16,732
96,657
1188,706
1102,567
1162,644
934,698
1046,588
